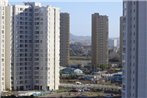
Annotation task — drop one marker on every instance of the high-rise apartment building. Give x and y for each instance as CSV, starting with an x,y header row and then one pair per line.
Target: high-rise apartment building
x,y
122,24
99,39
113,43
135,49
5,31
64,38
29,47
3,2
35,47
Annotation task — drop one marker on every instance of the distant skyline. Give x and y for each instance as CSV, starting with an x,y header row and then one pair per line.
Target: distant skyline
x,y
80,14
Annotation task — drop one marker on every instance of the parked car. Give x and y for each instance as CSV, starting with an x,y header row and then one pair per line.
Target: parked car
x,y
78,83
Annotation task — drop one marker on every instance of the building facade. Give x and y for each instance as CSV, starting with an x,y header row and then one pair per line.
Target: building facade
x,y
114,43
99,39
2,44
35,47
4,2
122,25
29,47
5,32
64,39
135,49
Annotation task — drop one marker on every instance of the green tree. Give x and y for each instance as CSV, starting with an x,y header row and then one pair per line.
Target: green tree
x,y
103,66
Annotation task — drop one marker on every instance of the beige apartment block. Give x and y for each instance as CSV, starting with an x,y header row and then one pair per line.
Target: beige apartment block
x,y
64,39
99,39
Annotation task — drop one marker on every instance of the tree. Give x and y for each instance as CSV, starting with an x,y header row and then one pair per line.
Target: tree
x,y
103,66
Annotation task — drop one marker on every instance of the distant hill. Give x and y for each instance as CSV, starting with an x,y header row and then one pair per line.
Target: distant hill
x,y
85,40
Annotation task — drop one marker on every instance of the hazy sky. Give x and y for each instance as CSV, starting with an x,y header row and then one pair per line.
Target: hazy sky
x,y
80,13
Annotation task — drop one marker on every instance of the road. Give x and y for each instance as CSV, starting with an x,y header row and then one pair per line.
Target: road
x,y
90,86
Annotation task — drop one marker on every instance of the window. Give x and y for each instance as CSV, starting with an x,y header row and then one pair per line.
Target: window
x,y
21,82
26,50
37,45
20,54
37,81
36,41
21,64
30,41
26,45
37,37
36,68
36,59
21,18
25,54
36,32
26,23
21,9
21,32
2,59
26,59
26,27
36,54
21,50
36,23
21,23
36,50
20,45
20,73
37,27
124,50
21,59
21,41
30,14
26,14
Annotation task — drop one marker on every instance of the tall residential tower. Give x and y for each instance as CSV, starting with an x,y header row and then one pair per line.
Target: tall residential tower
x,y
122,25
64,38
135,49
5,57
99,39
36,46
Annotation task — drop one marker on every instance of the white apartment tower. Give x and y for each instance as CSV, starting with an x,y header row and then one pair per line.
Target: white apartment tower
x,y
3,2
135,49
5,32
36,46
